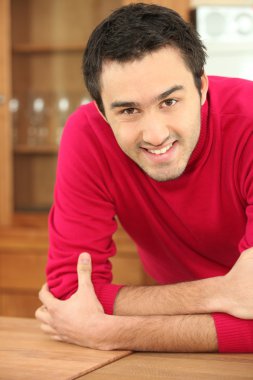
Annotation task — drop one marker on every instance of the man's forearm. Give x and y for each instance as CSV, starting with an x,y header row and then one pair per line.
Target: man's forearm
x,y
231,294
188,333
195,297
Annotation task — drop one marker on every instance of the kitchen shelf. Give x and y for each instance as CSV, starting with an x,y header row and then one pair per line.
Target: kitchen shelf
x,y
30,48
25,149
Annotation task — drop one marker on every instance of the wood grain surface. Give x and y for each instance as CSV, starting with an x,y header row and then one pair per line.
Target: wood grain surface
x,y
161,366
28,354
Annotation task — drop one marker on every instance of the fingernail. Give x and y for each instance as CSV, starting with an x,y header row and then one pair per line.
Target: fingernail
x,y
85,258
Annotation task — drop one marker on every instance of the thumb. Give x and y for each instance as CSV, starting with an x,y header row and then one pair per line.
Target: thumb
x,y
84,270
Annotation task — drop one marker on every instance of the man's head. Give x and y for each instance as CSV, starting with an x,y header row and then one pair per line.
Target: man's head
x,y
144,68
133,31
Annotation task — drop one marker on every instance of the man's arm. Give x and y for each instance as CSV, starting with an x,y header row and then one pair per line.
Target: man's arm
x,y
230,294
189,333
81,320
195,297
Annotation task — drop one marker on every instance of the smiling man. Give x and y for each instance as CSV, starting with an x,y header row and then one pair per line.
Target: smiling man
x,y
156,123
170,153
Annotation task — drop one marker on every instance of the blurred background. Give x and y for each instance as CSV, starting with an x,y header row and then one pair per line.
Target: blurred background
x,y
41,45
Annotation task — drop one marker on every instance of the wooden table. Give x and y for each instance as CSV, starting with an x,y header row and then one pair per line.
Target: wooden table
x,y
161,366
26,353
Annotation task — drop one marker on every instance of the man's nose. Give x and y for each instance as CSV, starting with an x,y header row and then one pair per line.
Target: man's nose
x,y
155,131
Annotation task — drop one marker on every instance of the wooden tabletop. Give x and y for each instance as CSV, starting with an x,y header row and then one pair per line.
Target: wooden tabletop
x,y
28,354
161,366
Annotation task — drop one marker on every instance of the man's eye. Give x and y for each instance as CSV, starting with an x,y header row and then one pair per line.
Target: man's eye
x,y
169,102
128,111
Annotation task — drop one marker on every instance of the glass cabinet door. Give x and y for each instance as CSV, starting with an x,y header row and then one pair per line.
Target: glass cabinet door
x,y
48,38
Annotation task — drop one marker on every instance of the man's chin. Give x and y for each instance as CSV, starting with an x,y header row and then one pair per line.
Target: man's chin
x,y
163,175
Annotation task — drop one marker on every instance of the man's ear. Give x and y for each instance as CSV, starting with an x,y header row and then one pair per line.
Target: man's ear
x,y
204,88
103,116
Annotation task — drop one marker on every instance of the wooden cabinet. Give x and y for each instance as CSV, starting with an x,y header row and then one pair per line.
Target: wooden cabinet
x,y
41,46
48,38
6,185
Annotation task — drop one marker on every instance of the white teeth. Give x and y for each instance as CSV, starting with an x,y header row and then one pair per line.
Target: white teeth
x,y
160,151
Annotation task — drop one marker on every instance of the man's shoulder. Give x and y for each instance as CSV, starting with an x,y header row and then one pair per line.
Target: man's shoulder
x,y
218,83
86,133
231,96
86,116
87,126
231,113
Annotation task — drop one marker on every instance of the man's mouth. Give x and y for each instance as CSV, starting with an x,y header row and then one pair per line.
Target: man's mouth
x,y
160,151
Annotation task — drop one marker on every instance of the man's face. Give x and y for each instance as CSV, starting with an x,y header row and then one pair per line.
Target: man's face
x,y
153,108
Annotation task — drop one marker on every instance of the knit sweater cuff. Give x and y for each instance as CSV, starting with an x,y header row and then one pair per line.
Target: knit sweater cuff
x,y
107,295
234,334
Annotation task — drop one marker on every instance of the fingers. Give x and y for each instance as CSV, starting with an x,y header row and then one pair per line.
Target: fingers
x,y
84,270
46,297
48,329
42,315
58,338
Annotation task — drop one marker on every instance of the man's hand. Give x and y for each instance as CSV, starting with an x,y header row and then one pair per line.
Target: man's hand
x,y
80,319
237,290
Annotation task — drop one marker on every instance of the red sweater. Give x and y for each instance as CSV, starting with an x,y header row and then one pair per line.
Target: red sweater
x,y
185,229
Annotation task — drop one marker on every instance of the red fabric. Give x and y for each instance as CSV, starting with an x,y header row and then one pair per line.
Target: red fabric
x,y
234,335
189,228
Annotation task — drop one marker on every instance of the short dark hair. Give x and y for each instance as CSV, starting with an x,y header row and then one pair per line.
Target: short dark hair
x,y
134,30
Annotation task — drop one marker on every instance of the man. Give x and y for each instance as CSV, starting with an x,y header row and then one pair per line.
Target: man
x,y
172,157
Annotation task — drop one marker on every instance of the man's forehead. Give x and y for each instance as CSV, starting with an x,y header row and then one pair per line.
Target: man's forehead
x,y
122,64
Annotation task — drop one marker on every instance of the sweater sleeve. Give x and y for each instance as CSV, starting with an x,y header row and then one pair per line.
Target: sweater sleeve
x,y
82,218
234,334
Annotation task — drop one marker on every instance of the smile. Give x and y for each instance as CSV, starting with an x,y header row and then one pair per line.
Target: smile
x,y
160,151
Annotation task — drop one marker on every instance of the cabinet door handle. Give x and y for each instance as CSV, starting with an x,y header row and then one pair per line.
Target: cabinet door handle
x,y
2,99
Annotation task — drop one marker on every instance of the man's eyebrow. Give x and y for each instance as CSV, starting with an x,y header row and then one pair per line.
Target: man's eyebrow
x,y
123,104
169,92
126,104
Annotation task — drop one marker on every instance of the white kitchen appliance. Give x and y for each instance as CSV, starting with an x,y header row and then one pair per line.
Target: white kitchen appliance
x,y
227,32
